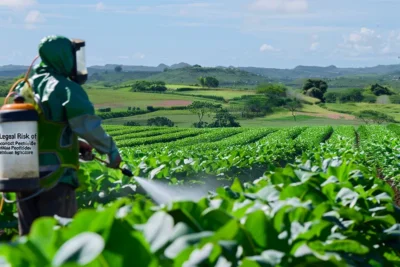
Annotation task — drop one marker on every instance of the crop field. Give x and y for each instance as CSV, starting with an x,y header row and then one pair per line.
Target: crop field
x,y
123,98
296,196
225,93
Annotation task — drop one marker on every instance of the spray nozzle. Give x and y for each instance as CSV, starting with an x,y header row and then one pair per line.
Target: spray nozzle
x,y
126,171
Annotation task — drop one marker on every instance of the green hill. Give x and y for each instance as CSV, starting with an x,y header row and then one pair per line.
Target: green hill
x,y
227,76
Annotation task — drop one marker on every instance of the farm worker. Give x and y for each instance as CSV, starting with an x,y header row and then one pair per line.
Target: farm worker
x,y
67,125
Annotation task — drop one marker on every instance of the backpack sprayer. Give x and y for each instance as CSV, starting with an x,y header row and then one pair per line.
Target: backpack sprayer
x,y
19,144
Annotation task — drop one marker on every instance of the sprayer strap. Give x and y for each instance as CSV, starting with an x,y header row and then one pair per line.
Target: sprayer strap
x,y
23,199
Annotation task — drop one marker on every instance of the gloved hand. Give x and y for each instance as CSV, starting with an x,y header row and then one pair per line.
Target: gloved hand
x,y
113,159
85,151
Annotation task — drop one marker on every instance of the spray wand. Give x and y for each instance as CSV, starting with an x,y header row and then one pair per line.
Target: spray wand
x,y
125,171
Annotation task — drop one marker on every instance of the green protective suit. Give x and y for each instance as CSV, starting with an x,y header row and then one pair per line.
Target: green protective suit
x,y
66,114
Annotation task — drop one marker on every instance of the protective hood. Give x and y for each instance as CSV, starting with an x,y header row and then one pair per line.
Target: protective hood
x,y
57,55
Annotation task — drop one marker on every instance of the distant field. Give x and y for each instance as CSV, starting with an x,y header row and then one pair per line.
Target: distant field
x,y
226,94
181,118
177,86
390,109
310,115
122,98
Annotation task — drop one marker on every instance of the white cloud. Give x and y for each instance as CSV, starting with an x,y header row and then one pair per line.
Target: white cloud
x,y
143,9
139,56
17,3
286,6
34,17
314,46
267,47
100,6
367,42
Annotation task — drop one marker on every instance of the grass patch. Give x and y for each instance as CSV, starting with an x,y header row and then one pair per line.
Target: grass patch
x,y
389,109
226,94
122,98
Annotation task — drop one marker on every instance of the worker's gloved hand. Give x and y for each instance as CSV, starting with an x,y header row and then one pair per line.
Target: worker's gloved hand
x,y
113,159
85,151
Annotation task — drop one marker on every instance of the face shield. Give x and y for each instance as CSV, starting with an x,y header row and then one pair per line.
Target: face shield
x,y
80,73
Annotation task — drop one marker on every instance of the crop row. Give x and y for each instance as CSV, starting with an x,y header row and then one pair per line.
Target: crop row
x,y
127,130
313,137
213,135
129,136
331,215
246,137
381,149
169,137
215,158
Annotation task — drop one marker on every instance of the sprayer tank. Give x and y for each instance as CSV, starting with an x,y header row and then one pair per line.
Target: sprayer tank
x,y
19,156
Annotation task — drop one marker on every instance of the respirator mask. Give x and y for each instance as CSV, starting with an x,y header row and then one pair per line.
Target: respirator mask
x,y
79,73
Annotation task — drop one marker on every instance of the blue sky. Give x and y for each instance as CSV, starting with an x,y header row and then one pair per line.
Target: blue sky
x,y
263,33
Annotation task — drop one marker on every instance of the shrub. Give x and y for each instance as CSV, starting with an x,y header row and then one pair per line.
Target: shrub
x,y
185,89
395,99
373,116
104,109
368,98
120,114
142,86
378,90
131,123
160,121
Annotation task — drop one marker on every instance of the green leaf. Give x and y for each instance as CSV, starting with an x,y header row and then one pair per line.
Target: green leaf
x,y
200,257
268,258
82,249
213,219
268,193
348,246
347,197
185,241
44,237
158,230
237,186
394,230
125,246
261,229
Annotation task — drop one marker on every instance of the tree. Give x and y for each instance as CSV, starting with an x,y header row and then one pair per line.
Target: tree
x,y
293,106
372,116
209,82
315,88
202,81
224,119
118,68
256,106
352,95
160,121
156,86
331,97
378,90
201,108
275,93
